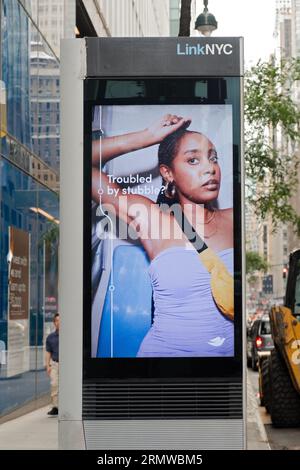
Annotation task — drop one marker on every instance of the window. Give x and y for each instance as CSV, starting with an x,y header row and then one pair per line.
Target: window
x,y
265,235
6,213
265,241
265,328
14,217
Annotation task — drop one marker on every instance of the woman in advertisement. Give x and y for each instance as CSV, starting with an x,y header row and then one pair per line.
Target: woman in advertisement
x,y
187,320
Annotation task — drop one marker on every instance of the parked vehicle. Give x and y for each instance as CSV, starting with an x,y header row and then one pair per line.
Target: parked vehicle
x,y
279,374
259,341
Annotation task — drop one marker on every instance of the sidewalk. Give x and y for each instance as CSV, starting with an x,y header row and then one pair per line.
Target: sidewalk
x,y
33,431
36,431
256,434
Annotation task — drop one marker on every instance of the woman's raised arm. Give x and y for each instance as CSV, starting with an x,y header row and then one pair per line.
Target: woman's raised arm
x,y
129,208
112,147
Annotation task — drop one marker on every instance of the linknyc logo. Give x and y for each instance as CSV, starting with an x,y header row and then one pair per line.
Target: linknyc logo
x,y
206,49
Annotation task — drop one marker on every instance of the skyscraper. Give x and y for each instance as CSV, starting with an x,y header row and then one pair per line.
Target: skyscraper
x,y
283,27
123,18
296,27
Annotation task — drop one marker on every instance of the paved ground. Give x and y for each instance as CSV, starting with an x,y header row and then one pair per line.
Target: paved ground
x,y
35,431
280,438
256,434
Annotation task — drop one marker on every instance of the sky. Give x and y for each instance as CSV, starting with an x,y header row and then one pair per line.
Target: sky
x,y
252,19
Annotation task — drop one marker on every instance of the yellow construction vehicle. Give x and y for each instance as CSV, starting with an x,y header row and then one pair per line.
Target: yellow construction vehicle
x,y
279,374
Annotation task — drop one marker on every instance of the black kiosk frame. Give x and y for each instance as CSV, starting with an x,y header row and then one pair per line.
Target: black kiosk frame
x,y
205,394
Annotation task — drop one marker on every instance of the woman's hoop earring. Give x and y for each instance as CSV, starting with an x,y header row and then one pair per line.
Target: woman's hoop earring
x,y
170,190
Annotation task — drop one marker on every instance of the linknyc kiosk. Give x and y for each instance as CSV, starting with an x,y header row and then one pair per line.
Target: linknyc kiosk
x,y
152,317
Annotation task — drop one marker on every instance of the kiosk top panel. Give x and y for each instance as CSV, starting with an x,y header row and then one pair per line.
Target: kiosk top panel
x,y
164,57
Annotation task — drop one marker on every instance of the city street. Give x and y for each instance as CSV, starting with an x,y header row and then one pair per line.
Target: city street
x,y
279,439
150,225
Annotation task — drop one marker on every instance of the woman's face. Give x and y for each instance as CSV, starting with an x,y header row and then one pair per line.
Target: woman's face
x,y
195,170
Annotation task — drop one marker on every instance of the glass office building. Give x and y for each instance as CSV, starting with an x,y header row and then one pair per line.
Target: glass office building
x,y
29,218
29,169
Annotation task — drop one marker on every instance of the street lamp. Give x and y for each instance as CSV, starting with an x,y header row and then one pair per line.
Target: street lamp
x,y
206,23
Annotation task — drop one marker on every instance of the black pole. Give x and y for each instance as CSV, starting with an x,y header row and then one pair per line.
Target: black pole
x,y
185,18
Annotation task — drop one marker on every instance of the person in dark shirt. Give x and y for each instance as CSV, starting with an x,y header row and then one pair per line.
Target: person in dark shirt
x,y
52,362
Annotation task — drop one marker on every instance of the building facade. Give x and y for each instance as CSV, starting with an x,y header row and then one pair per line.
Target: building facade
x,y
49,17
296,28
288,37
29,169
293,238
283,28
123,18
276,245
29,207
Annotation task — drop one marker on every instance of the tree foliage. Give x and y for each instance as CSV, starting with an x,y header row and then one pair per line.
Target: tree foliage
x,y
51,236
271,136
272,139
254,262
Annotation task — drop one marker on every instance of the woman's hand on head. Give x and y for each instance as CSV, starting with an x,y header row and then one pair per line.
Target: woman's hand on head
x,y
166,126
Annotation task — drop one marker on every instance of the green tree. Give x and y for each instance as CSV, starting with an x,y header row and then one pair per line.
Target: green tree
x,y
272,140
51,236
254,262
271,136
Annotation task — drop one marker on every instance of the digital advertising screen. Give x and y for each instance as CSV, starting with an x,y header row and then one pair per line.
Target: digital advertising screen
x,y
159,300
162,230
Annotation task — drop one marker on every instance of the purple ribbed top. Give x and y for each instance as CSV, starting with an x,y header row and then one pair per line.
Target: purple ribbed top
x,y
187,321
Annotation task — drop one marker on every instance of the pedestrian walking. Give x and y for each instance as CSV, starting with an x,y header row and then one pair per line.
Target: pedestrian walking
x,y
52,364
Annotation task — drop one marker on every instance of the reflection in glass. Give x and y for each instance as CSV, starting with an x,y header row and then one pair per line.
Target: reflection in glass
x,y
49,16
30,78
15,69
19,193
29,144
45,97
